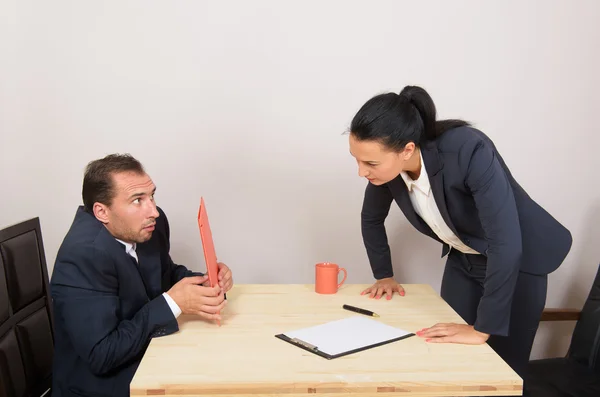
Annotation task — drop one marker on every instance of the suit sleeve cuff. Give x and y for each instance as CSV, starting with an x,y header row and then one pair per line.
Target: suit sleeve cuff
x,y
174,307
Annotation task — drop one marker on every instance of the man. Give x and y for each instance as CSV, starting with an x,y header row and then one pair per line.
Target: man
x,y
114,285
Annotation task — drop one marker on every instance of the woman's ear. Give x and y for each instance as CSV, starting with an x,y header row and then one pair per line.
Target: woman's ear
x,y
409,151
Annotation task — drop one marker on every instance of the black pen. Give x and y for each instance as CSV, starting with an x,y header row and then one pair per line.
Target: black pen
x,y
359,310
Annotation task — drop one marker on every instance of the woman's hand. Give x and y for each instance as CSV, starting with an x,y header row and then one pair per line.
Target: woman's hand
x,y
453,333
385,286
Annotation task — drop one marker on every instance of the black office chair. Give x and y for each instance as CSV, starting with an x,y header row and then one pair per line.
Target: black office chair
x,y
26,323
577,374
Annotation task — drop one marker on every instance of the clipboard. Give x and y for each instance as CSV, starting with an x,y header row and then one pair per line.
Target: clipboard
x,y
208,246
343,337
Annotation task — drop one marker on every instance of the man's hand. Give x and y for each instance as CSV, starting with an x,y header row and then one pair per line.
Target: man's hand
x,y
453,333
194,298
224,276
385,285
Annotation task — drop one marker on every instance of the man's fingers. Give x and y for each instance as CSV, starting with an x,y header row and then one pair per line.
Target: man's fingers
x,y
194,279
224,274
208,316
224,279
209,305
213,309
222,305
212,300
209,291
209,309
224,271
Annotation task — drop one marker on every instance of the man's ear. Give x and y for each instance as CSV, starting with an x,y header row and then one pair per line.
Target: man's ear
x,y
101,212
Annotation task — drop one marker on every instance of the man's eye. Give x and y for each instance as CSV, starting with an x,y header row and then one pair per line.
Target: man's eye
x,y
136,201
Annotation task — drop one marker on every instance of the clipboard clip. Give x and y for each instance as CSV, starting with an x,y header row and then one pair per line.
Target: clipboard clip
x,y
302,343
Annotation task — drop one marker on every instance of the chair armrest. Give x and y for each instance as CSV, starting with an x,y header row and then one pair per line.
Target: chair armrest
x,y
560,315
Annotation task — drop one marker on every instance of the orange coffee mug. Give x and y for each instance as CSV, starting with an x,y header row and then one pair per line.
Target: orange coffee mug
x,y
326,278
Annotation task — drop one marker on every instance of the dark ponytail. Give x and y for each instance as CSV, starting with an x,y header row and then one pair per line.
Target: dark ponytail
x,y
396,120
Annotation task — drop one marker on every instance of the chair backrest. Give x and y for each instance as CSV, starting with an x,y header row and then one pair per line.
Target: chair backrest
x,y
26,323
585,343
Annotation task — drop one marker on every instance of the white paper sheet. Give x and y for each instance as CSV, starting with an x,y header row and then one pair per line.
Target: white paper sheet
x,y
351,333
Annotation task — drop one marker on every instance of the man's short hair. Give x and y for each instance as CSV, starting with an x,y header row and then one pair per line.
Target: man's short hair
x,y
98,185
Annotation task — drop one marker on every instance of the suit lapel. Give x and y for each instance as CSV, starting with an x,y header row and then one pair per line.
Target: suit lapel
x,y
434,164
150,269
400,193
120,253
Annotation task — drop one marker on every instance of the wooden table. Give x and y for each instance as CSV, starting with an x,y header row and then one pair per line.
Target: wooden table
x,y
243,357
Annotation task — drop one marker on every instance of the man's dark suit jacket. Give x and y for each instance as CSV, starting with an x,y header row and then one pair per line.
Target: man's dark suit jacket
x,y
107,307
485,207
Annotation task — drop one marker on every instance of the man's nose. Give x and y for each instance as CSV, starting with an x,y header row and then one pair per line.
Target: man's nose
x,y
153,210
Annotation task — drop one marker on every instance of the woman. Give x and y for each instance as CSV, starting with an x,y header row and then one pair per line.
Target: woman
x,y
452,185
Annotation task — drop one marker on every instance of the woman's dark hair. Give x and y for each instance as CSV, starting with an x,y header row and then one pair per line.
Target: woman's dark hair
x,y
397,119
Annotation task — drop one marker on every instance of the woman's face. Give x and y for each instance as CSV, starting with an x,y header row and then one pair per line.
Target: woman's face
x,y
377,163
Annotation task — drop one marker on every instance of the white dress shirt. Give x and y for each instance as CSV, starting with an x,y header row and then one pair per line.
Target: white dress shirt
x,y
130,249
424,204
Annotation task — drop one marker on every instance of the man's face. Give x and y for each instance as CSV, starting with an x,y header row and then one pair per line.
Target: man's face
x,y
131,217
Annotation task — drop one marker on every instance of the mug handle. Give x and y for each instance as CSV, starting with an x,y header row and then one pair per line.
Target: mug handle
x,y
341,269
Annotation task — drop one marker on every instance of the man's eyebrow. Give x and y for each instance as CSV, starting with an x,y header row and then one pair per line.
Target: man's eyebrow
x,y
137,195
140,194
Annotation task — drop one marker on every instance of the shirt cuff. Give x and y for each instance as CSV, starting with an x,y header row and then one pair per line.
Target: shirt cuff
x,y
174,307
